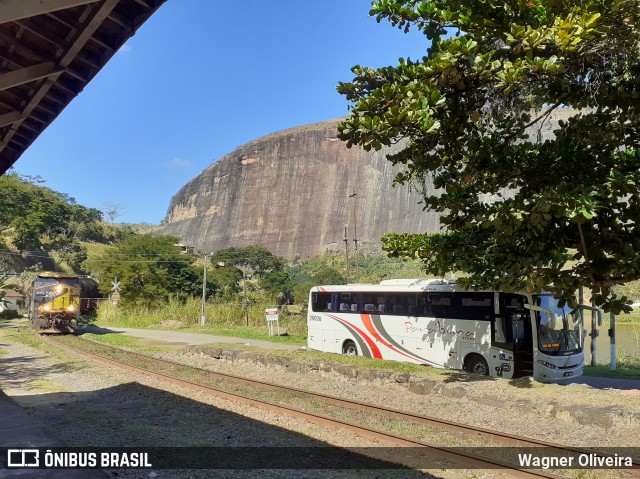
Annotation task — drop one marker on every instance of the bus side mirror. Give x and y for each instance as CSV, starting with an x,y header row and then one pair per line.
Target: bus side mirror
x,y
597,310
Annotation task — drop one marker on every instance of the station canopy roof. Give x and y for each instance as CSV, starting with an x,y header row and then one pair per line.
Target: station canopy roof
x,y
49,51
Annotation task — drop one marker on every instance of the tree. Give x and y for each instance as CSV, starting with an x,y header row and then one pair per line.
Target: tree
x,y
519,209
112,210
39,218
151,269
224,281
329,275
257,258
278,284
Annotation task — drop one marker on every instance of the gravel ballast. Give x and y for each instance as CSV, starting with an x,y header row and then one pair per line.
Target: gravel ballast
x,y
97,405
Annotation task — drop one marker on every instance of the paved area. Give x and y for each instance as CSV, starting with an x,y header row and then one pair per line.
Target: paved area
x,y
19,431
606,383
186,338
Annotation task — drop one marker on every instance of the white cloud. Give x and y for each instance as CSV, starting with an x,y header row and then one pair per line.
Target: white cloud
x,y
177,163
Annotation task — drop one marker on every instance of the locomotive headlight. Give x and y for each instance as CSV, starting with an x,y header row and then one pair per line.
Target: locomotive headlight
x,y
47,307
59,289
71,308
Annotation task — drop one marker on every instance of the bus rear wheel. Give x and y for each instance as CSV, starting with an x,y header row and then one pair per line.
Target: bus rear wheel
x,y
349,348
477,365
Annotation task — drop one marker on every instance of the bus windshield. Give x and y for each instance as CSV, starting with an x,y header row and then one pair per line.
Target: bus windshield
x,y
558,333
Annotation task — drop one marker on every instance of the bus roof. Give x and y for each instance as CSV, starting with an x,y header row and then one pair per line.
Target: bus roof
x,y
394,285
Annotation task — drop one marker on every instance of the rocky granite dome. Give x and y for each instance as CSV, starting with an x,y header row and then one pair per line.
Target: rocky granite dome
x,y
289,191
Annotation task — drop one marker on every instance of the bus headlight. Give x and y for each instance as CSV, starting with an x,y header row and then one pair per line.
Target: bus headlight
x,y
546,364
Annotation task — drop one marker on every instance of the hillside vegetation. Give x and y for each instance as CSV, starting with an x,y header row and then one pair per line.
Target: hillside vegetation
x,y
42,229
45,229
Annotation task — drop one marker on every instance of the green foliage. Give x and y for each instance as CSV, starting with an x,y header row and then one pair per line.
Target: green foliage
x,y
223,317
256,258
225,281
36,218
329,275
151,270
520,209
330,268
233,264
277,284
40,218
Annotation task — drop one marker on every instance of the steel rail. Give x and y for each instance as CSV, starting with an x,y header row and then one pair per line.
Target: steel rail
x,y
442,424
465,459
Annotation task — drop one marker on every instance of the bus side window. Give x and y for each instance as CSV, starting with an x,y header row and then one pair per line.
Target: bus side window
x,y
321,301
424,306
401,304
440,304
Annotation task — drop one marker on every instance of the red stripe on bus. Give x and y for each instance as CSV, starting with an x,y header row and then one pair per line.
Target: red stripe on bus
x,y
366,320
372,346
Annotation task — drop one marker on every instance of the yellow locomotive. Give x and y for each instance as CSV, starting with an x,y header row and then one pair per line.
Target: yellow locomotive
x,y
55,303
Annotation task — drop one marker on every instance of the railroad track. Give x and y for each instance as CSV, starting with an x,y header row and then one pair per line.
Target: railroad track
x,y
465,459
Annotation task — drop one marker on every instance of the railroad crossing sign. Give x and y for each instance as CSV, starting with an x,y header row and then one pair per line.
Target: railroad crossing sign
x,y
115,294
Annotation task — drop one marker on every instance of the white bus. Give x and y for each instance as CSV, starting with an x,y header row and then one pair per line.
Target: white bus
x,y
437,323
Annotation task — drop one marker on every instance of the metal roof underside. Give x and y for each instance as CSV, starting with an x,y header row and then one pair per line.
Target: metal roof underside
x,y
49,51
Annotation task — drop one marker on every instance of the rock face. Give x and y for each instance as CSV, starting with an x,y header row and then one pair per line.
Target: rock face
x,y
289,191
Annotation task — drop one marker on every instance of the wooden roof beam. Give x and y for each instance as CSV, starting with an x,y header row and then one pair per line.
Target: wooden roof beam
x,y
28,74
12,10
11,117
91,20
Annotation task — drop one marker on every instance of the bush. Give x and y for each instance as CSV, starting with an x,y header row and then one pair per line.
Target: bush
x,y
9,314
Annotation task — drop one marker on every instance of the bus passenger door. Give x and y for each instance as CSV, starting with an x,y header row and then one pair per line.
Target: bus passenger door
x,y
502,357
516,323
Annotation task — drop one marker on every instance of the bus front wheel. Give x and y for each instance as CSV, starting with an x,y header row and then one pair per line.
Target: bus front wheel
x,y
477,365
349,348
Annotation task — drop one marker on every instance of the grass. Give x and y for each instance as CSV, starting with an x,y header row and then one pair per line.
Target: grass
x,y
248,333
603,370
46,386
627,367
625,318
224,319
142,345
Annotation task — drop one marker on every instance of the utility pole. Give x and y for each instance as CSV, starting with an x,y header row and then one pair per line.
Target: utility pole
x,y
203,319
244,295
346,252
355,237
612,339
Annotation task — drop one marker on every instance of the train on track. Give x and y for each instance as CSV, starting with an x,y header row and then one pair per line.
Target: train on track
x,y
55,303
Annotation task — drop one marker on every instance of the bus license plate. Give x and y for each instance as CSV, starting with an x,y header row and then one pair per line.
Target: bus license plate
x,y
568,374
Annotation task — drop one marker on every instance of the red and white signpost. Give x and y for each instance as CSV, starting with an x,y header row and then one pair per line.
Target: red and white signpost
x,y
273,324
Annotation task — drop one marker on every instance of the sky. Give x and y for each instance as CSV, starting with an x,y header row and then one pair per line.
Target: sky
x,y
199,79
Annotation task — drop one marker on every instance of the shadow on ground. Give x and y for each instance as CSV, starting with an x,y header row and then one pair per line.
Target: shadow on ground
x,y
93,329
190,435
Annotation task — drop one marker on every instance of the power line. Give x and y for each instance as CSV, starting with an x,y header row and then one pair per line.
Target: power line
x,y
135,261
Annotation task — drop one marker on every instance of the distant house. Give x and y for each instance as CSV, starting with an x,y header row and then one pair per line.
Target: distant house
x,y
12,301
